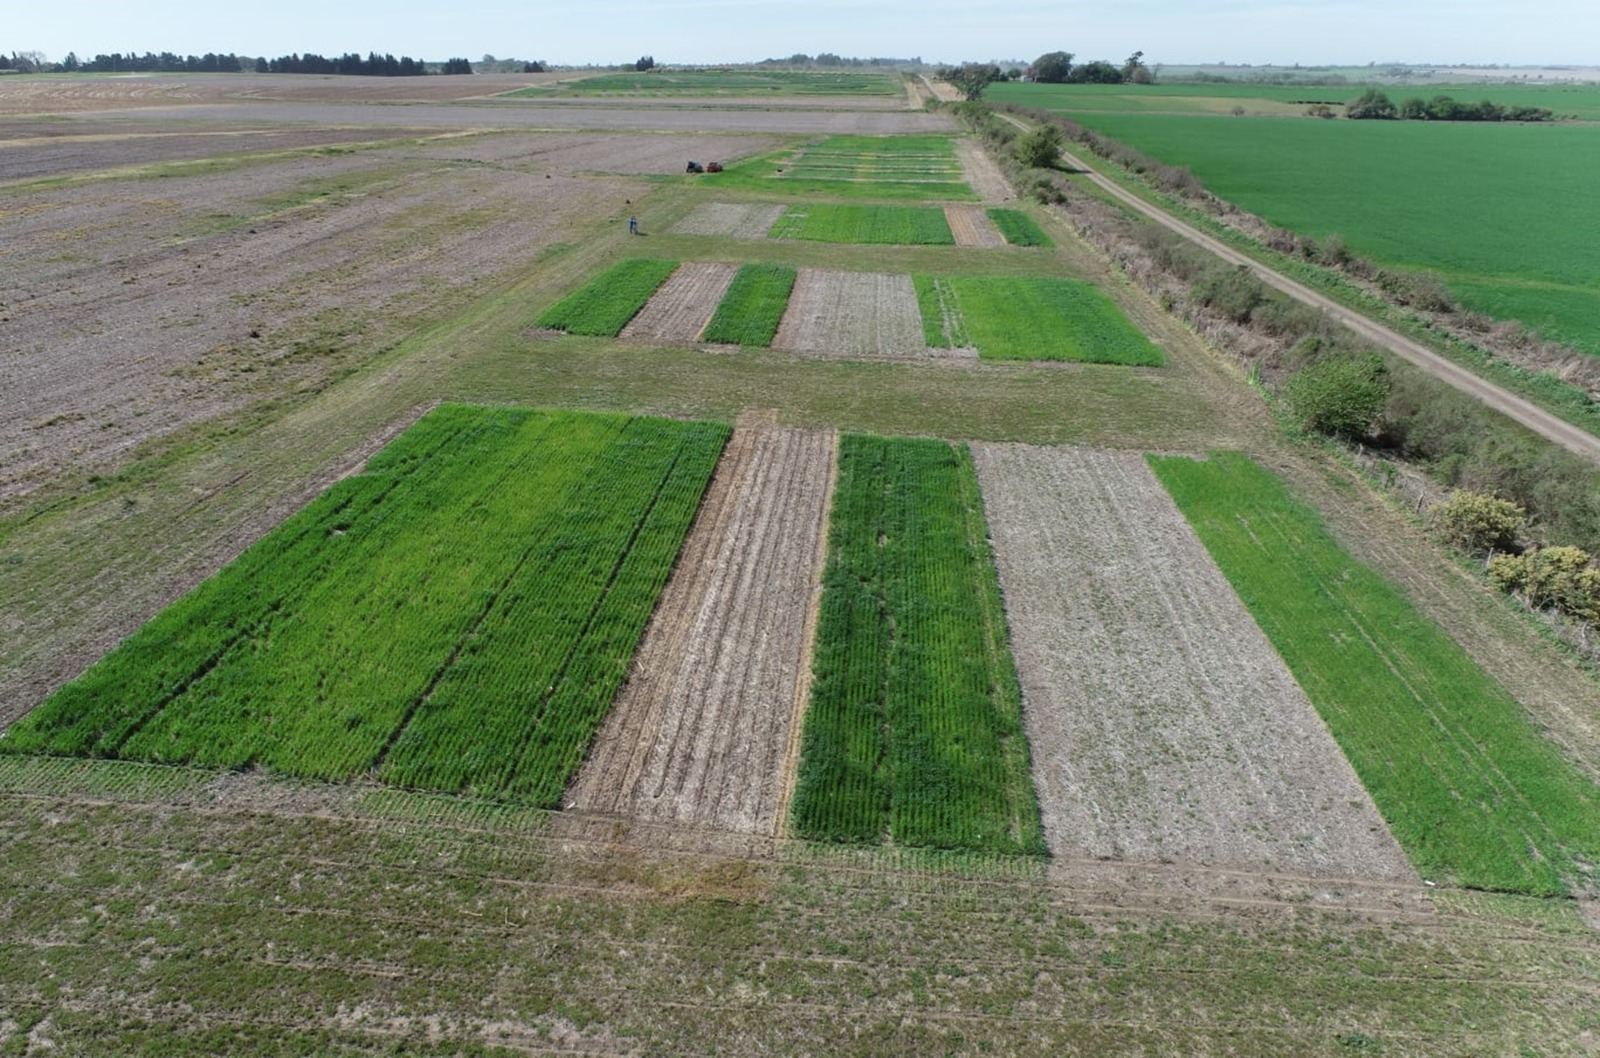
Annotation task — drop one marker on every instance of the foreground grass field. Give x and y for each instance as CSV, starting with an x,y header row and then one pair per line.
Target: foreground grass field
x,y
382,923
1474,793
1507,214
914,734
456,618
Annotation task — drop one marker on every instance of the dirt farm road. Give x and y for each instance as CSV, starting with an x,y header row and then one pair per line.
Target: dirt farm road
x,y
1541,422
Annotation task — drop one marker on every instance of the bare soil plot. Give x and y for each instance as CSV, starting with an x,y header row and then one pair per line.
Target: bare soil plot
x,y
683,305
853,314
705,728
64,95
133,308
729,220
972,227
981,174
1163,725
547,115
33,149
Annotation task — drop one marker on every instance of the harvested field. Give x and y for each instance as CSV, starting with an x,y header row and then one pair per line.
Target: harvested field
x,y
1163,725
848,314
136,307
981,174
703,731
972,227
67,95
729,220
512,114
680,310
33,149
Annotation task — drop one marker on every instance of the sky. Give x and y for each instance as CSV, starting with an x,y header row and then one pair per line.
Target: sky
x,y
1310,32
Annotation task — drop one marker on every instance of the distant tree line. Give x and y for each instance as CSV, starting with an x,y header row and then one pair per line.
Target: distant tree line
x,y
829,60
374,65
1374,105
1057,67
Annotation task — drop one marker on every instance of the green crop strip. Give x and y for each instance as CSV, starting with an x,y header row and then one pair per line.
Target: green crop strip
x,y
879,225
914,733
457,617
1471,789
751,310
873,167
1031,318
604,305
1018,228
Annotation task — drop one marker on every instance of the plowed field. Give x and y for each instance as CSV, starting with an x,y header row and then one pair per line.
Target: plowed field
x,y
680,310
972,227
981,174
863,314
729,220
1163,725
704,729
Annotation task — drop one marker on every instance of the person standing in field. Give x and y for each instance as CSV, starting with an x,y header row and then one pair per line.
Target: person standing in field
x,y
633,225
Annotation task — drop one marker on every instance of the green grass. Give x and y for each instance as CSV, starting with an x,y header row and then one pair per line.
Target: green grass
x,y
735,83
1508,215
1018,228
865,167
603,306
878,225
1031,318
1471,789
751,310
457,617
914,734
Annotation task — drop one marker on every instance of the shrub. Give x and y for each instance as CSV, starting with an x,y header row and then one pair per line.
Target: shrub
x,y
1475,522
1234,292
1340,395
1556,578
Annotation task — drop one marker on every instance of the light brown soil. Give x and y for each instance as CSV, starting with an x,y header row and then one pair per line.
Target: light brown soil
x,y
729,220
1163,725
683,305
702,730
982,175
852,314
132,308
66,95
972,227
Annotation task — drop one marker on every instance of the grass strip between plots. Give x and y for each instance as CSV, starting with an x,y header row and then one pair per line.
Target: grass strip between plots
x,y
1018,228
457,617
877,225
751,310
914,733
1031,318
604,305
1471,789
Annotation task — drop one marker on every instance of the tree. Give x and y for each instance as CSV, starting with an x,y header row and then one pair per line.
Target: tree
x,y
1053,67
533,67
1040,148
1134,71
1369,106
646,62
1341,395
972,78
1097,72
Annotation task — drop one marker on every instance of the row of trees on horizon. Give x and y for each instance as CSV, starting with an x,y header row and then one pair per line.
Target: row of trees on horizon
x,y
373,65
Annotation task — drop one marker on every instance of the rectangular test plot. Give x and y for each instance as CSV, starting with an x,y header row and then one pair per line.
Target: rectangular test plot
x,y
457,617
